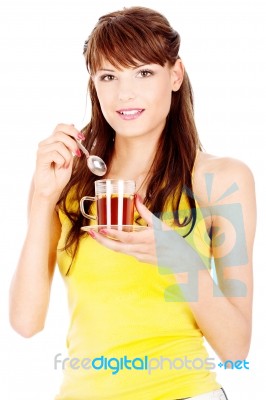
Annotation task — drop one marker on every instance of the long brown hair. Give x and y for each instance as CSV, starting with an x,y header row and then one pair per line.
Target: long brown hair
x,y
126,38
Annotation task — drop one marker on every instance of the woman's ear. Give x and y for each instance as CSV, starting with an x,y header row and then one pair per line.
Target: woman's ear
x,y
178,71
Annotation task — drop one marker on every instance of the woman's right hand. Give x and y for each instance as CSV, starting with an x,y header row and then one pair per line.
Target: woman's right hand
x,y
55,161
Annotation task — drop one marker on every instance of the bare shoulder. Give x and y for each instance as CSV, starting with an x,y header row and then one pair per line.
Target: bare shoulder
x,y
214,176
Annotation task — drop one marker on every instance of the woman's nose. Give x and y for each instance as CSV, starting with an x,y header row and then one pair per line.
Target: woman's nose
x,y
126,91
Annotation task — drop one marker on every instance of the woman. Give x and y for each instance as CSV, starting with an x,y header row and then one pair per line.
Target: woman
x,y
140,302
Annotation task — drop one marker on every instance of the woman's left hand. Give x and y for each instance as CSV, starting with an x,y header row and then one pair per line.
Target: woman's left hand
x,y
143,245
159,244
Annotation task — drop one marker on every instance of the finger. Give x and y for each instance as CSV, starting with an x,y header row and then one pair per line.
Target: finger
x,y
55,152
60,137
58,146
128,237
114,245
138,251
57,159
69,129
54,158
143,211
147,215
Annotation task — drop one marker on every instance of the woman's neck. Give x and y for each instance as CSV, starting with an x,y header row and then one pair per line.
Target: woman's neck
x,y
132,159
133,154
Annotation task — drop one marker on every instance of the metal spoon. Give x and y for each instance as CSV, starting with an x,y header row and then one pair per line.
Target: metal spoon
x,y
95,164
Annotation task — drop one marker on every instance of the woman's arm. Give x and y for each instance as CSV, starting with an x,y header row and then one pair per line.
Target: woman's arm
x,y
31,283
224,312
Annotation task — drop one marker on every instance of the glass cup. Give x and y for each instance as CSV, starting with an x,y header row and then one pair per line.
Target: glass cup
x,y
114,201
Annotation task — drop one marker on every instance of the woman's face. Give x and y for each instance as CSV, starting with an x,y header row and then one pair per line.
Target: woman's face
x,y
136,101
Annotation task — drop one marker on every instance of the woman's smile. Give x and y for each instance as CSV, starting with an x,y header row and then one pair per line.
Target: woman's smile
x,y
129,114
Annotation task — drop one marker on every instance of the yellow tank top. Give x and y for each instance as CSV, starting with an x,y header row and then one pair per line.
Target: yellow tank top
x,y
126,339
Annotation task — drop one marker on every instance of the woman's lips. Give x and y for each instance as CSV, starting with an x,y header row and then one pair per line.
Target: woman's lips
x,y
130,113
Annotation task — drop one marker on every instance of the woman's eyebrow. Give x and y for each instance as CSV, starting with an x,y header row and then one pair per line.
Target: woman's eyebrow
x,y
106,69
111,70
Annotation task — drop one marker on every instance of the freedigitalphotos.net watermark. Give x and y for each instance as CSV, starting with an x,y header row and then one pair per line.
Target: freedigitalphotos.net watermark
x,y
144,363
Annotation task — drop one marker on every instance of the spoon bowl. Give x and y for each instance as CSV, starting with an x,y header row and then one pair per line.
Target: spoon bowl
x,y
95,164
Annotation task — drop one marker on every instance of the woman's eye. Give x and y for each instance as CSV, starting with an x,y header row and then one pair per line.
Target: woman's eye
x,y
145,73
107,78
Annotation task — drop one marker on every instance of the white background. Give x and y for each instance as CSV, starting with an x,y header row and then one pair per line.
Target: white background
x,y
43,82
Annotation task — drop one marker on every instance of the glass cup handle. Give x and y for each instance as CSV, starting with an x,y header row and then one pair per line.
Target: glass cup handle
x,y
81,203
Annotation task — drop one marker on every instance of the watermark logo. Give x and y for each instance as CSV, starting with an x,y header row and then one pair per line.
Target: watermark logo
x,y
115,365
238,364
191,254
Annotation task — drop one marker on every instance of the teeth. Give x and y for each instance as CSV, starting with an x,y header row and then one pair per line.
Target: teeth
x,y
132,112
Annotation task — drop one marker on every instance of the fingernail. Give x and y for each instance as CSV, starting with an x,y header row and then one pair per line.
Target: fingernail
x,y
78,153
139,197
80,136
103,231
92,234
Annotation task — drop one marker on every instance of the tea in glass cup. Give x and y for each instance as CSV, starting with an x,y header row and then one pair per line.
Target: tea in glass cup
x,y
114,202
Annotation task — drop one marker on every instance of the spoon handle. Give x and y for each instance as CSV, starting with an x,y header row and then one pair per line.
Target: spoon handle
x,y
82,148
